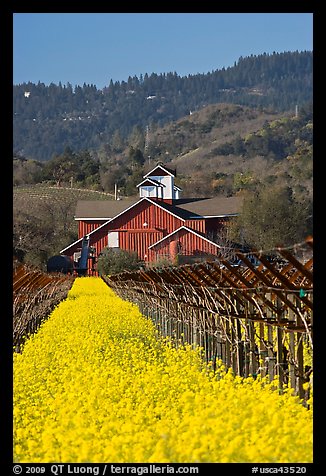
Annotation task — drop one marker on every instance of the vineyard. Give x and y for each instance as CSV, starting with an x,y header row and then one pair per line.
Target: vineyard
x,y
257,317
35,294
50,192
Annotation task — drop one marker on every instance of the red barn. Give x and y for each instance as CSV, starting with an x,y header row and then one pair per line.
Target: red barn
x,y
159,224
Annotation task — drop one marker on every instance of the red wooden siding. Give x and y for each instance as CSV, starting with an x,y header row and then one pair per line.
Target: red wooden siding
x,y
198,225
155,217
189,244
139,241
142,226
144,217
85,227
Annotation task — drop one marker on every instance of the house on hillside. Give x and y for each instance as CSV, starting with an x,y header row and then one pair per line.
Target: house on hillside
x,y
159,224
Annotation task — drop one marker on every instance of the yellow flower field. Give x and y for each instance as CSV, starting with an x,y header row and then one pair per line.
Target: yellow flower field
x,y
97,384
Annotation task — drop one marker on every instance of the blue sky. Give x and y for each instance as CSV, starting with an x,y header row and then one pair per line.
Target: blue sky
x,y
96,47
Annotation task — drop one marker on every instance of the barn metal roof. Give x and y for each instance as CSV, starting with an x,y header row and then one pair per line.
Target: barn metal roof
x,y
213,207
184,208
102,209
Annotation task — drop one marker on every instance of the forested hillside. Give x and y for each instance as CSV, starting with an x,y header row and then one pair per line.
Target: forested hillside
x,y
220,150
47,119
226,149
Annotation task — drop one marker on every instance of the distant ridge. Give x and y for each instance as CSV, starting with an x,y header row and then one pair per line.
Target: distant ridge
x,y
47,119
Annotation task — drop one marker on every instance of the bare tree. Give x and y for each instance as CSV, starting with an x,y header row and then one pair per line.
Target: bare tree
x,y
227,246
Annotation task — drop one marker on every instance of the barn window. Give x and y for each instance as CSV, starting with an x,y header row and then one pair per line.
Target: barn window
x,y
113,239
148,191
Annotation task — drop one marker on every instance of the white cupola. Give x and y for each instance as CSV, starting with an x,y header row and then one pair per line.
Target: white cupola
x,y
159,183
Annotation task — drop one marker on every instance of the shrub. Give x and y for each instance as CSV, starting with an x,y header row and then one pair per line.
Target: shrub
x,y
115,260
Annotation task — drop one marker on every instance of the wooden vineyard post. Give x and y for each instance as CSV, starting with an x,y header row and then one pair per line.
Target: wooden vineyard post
x,y
188,322
300,364
162,313
251,340
219,341
183,313
279,346
262,349
270,356
239,347
252,348
270,359
279,356
167,319
194,328
206,337
200,329
292,355
227,344
159,314
215,339
246,348
233,348
209,341
184,326
176,313
299,358
291,360
174,324
239,344
170,312
163,316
